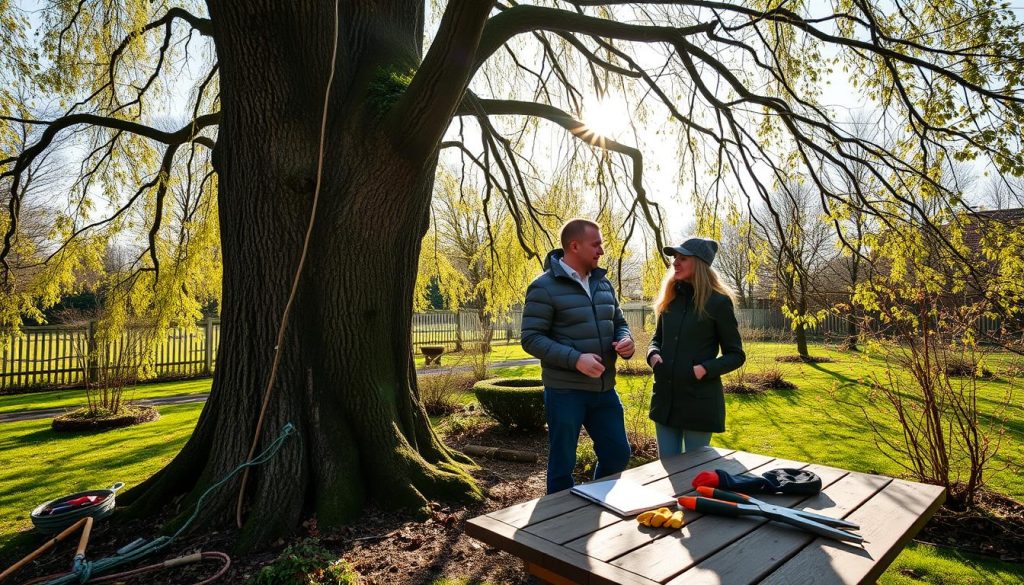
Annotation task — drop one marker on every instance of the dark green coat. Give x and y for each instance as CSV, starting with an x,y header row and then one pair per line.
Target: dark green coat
x,y
684,340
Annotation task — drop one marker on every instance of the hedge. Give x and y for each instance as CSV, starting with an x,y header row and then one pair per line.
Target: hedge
x,y
513,402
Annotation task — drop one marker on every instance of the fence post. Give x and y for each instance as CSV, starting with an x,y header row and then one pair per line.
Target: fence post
x,y
92,362
208,326
458,330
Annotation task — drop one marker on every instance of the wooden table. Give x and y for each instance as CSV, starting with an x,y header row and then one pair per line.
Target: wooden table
x,y
566,539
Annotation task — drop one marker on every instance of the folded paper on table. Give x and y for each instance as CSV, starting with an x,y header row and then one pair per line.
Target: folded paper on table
x,y
622,496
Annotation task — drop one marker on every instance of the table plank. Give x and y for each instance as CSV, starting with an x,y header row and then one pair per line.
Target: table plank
x,y
888,521
533,549
554,505
618,539
750,558
700,538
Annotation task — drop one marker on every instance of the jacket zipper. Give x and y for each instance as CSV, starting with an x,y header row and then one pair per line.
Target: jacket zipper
x,y
600,340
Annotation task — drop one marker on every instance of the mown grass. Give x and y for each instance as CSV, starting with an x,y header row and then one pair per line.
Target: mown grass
x,y
75,397
38,464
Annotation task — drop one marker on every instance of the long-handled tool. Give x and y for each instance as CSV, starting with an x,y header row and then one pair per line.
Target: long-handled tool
x,y
726,503
85,524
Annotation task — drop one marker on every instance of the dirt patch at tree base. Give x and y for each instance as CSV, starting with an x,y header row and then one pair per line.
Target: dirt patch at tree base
x,y
80,420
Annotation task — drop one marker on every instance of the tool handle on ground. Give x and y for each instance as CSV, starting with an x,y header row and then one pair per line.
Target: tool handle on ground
x,y
45,546
710,492
84,540
710,506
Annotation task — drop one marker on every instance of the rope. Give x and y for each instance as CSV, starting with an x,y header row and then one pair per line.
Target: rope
x,y
85,569
298,273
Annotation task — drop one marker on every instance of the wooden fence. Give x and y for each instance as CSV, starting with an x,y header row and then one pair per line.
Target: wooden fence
x,y
68,355
56,356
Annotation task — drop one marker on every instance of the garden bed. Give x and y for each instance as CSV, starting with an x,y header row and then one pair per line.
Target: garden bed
x,y
82,420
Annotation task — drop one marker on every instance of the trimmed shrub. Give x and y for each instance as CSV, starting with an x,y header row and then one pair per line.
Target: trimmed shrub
x,y
83,419
513,402
796,359
770,377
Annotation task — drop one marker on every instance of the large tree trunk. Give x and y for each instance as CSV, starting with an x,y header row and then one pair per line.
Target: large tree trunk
x,y
346,378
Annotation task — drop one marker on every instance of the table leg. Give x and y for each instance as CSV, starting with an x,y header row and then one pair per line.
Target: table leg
x,y
546,576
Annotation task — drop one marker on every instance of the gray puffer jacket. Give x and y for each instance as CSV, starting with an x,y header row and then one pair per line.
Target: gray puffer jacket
x,y
560,322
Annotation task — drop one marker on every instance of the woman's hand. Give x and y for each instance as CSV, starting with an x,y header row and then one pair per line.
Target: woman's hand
x,y
699,371
655,360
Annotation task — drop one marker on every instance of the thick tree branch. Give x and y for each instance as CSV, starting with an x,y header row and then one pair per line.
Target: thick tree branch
x,y
523,19
423,113
188,133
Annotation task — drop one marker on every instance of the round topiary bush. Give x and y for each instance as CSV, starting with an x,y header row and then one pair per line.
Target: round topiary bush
x,y
513,402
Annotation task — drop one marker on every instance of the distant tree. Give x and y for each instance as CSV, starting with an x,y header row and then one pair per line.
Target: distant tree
x,y
799,244
1001,192
740,254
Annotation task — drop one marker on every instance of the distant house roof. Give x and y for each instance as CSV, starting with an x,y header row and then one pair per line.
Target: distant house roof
x,y
1011,217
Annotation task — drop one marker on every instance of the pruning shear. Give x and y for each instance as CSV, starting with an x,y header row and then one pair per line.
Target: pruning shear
x,y
726,503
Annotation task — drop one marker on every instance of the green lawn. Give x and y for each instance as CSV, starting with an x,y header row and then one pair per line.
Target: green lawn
x,y
75,397
816,422
37,464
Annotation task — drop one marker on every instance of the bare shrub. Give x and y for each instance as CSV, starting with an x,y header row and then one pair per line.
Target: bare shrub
x,y
756,376
959,366
636,398
480,360
943,439
769,376
797,359
440,392
115,362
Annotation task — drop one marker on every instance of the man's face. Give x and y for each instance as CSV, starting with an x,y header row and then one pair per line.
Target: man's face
x,y
588,249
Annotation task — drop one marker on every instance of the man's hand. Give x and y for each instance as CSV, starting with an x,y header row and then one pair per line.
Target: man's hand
x,y
655,360
699,371
624,347
589,364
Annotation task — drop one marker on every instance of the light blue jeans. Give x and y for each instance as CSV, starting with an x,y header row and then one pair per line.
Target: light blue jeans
x,y
672,439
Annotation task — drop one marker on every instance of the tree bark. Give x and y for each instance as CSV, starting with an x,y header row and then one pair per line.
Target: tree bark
x,y
346,378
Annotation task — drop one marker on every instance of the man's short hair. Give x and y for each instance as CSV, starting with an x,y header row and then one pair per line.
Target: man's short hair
x,y
574,230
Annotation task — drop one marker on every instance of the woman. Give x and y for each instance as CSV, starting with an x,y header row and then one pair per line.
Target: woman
x,y
695,318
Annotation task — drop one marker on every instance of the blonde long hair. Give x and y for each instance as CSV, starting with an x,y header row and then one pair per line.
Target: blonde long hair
x,y
705,280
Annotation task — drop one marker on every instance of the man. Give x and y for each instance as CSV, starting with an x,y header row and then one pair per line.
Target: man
x,y
573,323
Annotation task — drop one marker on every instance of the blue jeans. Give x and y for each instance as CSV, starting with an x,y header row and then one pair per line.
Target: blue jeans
x,y
601,413
671,440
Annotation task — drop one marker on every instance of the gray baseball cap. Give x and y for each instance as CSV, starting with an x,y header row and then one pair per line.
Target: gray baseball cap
x,y
699,247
